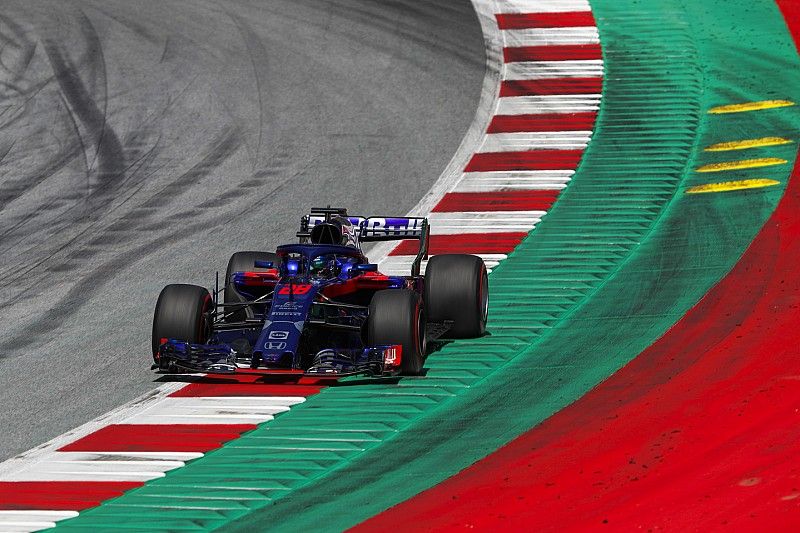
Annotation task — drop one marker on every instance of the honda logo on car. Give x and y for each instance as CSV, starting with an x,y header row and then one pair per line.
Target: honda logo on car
x,y
271,345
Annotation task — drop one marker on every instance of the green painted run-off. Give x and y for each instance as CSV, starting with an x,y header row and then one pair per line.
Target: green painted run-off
x,y
622,255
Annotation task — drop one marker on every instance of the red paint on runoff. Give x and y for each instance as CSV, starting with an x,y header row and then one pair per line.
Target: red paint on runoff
x,y
531,160
465,243
542,122
551,86
59,495
247,382
521,21
158,438
699,432
536,200
194,390
561,52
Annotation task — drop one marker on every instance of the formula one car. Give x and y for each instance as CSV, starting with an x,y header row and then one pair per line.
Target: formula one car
x,y
320,308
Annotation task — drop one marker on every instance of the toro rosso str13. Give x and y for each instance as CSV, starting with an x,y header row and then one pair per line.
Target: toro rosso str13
x,y
320,307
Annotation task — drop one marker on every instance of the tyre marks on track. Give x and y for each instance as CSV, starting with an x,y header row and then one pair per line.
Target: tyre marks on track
x,y
180,80
542,124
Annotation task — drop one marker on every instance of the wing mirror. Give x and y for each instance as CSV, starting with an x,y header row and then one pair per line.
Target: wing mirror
x,y
355,270
264,264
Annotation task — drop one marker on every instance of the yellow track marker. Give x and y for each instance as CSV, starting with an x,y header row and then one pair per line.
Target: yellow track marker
x,y
731,186
744,163
747,143
750,106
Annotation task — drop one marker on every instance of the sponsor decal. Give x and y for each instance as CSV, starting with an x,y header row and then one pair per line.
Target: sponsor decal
x,y
273,345
393,227
298,288
379,226
350,235
278,334
393,355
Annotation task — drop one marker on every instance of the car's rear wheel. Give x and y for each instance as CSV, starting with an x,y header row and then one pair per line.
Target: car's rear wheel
x,y
242,262
457,289
182,314
397,316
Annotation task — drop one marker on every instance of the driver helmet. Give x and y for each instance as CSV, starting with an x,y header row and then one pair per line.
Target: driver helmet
x,y
324,266
338,230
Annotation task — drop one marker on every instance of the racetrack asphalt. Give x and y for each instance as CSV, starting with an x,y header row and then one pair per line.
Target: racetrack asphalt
x,y
142,142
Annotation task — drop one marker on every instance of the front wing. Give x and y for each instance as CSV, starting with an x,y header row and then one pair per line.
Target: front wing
x,y
179,356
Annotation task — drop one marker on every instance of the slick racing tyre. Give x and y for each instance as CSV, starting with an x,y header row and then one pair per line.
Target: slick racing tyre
x,y
397,316
181,315
242,262
457,289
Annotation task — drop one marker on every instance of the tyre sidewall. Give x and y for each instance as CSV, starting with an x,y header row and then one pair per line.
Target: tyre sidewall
x,y
397,316
181,314
456,289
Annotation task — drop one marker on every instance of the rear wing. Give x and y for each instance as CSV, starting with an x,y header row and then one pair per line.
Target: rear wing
x,y
398,229
373,229
391,229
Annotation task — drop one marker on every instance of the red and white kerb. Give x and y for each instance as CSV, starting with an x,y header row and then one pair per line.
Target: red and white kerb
x,y
548,98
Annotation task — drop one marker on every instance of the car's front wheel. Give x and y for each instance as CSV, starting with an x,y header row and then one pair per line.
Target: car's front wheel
x,y
397,316
181,314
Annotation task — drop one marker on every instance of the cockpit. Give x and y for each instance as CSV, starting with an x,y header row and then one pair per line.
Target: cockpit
x,y
318,262
326,266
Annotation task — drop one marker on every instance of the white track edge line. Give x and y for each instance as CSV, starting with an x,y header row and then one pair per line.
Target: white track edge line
x,y
453,173
447,181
